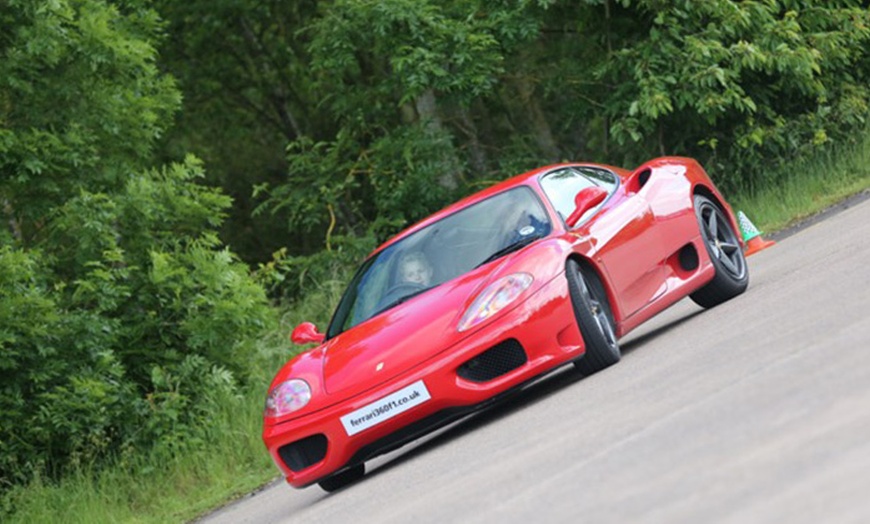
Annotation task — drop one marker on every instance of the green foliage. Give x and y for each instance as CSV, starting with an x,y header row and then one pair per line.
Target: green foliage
x,y
245,74
341,82
290,277
397,50
497,87
398,179
27,318
62,389
81,101
390,75
175,480
411,174
748,81
184,399
123,319
808,186
149,323
325,181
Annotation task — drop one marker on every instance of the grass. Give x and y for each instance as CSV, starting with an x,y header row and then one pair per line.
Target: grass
x,y
165,486
172,486
161,486
807,188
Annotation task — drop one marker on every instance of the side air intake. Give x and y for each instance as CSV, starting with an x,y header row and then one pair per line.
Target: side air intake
x,y
494,362
304,453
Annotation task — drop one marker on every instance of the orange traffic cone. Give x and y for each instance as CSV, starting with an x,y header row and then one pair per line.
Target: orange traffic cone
x,y
751,236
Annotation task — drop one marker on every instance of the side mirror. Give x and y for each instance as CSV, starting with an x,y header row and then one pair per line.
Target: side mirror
x,y
585,200
306,332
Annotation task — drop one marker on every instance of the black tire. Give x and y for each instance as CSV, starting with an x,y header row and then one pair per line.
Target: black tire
x,y
594,318
732,272
343,478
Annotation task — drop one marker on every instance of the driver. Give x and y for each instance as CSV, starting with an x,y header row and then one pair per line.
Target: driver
x,y
414,268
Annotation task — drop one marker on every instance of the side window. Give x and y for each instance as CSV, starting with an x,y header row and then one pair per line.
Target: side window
x,y
563,185
600,177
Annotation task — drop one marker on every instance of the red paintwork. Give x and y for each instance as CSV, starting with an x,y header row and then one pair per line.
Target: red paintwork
x,y
306,332
632,241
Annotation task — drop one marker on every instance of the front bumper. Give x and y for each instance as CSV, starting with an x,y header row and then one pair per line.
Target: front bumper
x,y
543,325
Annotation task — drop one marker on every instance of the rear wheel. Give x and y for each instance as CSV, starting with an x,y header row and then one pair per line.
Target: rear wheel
x,y
732,273
342,479
594,319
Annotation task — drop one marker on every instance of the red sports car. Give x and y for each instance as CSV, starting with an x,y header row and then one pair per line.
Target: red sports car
x,y
549,267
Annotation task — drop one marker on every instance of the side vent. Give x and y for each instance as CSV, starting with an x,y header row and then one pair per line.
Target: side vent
x,y
643,177
638,180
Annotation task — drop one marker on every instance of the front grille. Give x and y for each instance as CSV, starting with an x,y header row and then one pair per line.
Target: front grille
x,y
303,453
494,362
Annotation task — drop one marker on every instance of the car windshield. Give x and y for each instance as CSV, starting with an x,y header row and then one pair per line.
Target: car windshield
x,y
442,251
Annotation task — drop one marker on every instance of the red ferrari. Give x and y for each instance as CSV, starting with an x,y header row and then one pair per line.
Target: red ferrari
x,y
474,302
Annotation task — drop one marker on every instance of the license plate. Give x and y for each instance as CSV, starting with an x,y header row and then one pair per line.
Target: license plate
x,y
385,408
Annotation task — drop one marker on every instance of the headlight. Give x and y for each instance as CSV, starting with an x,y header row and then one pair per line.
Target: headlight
x,y
494,298
287,397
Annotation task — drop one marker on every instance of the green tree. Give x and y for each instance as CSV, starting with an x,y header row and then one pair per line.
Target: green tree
x,y
244,69
750,82
400,80
123,318
82,102
390,109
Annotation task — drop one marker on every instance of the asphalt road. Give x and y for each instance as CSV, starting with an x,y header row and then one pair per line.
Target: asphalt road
x,y
755,411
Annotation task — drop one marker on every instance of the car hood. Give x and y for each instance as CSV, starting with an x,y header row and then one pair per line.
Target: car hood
x,y
397,339
411,333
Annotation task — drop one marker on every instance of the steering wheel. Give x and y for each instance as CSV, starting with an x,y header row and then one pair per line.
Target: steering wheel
x,y
397,291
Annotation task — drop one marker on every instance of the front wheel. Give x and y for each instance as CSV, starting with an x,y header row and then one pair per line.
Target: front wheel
x,y
594,319
732,273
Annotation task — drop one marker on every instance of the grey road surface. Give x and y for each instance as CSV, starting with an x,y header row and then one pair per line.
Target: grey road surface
x,y
755,411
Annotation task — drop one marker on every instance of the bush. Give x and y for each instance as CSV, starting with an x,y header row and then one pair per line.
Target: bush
x,y
149,322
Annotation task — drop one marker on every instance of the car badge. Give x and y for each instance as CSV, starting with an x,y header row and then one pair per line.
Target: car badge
x,y
380,366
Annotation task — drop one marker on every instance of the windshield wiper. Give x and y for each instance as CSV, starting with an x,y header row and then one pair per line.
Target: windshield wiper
x,y
510,248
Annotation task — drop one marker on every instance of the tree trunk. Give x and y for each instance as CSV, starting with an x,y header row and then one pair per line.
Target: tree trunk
x,y
476,151
14,226
427,111
540,125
